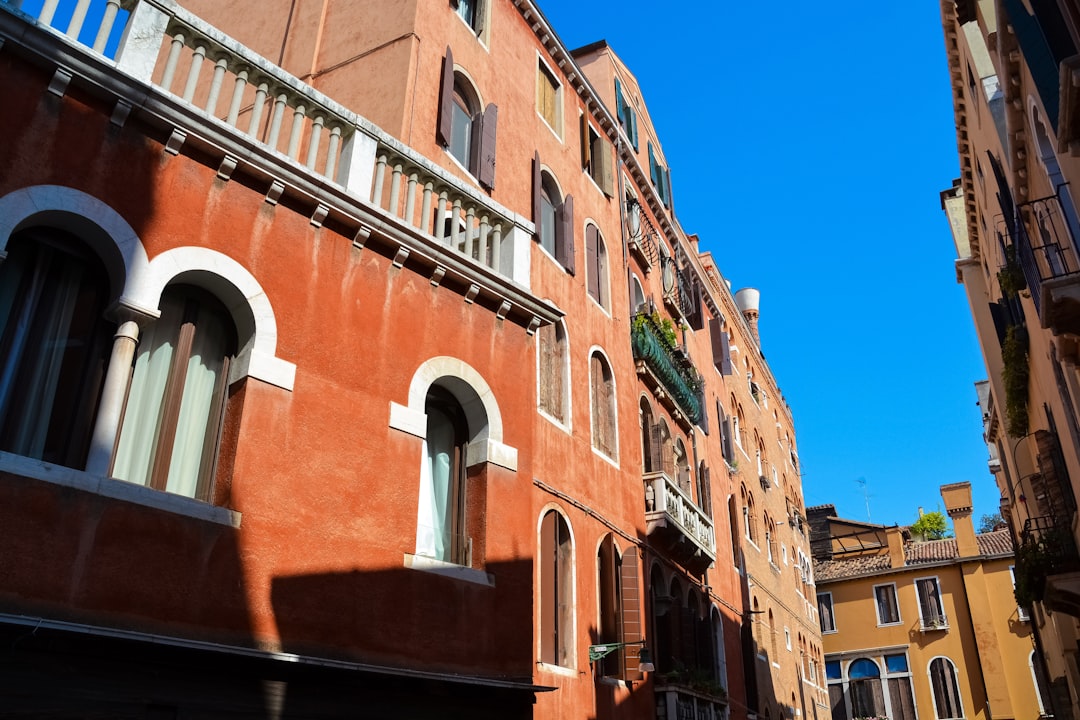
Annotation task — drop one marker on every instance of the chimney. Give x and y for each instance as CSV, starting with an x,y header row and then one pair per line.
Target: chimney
x,y
894,535
749,302
957,497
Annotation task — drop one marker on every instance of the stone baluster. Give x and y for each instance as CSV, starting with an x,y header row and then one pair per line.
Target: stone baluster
x,y
275,121
172,61
48,11
395,191
380,175
332,152
470,234
77,19
237,98
425,208
440,218
485,230
455,225
313,141
215,85
299,113
410,200
257,108
496,247
107,22
193,72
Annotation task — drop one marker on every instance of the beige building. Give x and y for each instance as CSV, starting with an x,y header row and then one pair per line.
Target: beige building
x,y
1015,76
922,629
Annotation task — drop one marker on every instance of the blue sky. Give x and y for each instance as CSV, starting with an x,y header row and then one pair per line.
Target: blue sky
x,y
808,144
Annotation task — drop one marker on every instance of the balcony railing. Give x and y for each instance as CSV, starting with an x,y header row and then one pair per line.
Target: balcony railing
x,y
677,702
1042,233
667,364
1047,548
249,98
670,511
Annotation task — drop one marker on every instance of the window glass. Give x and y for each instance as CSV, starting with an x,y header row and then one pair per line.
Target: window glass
x,y
172,420
461,130
440,521
896,663
54,345
547,218
467,10
832,670
863,668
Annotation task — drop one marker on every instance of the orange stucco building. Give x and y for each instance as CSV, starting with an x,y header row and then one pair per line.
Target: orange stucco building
x,y
1013,67
917,628
353,361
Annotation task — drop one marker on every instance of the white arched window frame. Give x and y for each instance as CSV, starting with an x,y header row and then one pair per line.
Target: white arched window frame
x,y
945,688
553,386
603,405
557,581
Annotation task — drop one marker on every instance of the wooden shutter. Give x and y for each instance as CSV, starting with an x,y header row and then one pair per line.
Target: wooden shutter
x,y
697,317
592,270
721,347
564,233
586,144
603,172
705,499
548,599
631,613
610,627
632,116
538,190
620,104
444,128
703,423
667,457
486,168
652,166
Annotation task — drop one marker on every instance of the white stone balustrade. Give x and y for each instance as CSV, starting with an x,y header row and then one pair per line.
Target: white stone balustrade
x,y
166,46
664,497
438,205
680,703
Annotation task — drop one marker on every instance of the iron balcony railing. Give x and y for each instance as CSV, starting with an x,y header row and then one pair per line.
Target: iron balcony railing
x,y
1045,246
668,364
1047,547
674,702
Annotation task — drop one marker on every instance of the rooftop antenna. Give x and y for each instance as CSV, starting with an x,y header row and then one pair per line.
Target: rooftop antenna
x,y
866,496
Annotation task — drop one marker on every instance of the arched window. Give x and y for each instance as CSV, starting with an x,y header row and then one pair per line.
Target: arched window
x,y
550,200
637,296
553,215
648,462
176,403
465,128
596,265
556,591
602,385
682,469
1042,687
553,369
750,518
867,698
945,689
464,113
617,583
441,515
54,345
704,489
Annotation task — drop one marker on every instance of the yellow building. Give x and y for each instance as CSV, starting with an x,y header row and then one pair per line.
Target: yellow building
x,y
922,629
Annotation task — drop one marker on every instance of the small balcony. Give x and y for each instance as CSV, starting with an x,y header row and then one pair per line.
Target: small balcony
x,y
673,519
163,67
1048,566
675,701
1046,251
666,368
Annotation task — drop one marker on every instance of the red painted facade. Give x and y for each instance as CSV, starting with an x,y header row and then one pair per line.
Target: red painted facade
x,y
304,572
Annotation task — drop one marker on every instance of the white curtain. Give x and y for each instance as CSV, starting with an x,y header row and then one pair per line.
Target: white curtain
x,y
142,418
197,407
433,521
